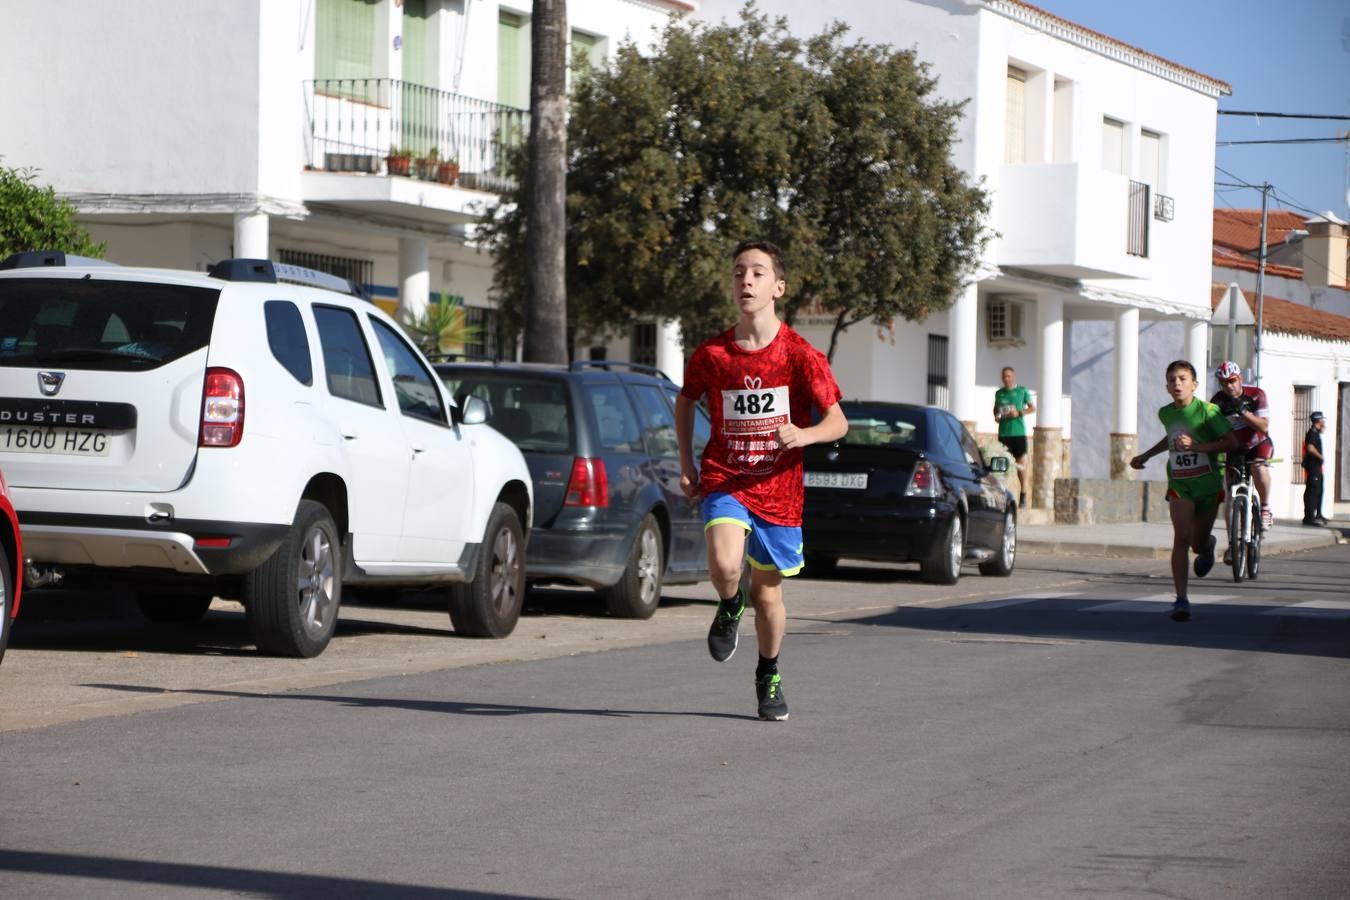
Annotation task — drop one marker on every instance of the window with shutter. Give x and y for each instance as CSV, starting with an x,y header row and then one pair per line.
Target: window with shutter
x,y
1015,150
344,39
513,60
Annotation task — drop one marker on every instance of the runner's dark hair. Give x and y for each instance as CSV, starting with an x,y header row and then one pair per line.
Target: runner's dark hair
x,y
1182,364
775,254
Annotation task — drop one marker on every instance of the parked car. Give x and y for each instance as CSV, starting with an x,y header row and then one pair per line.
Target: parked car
x,y
907,484
599,438
233,433
11,566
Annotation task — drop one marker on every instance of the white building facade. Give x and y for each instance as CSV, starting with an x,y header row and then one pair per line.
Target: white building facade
x,y
1100,161
191,133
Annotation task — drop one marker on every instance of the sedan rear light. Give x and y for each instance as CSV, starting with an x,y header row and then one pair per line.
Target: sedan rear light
x,y
924,482
589,485
222,409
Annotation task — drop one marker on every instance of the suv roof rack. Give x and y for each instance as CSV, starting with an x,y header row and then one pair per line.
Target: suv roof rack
x,y
577,365
456,355
34,259
268,272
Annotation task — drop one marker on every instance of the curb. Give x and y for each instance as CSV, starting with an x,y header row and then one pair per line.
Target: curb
x,y
1140,551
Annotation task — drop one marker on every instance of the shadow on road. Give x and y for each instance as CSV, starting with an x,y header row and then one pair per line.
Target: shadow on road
x,y
454,707
257,882
1251,627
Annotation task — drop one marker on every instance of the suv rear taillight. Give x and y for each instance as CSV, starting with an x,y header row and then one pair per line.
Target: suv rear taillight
x,y
589,485
222,409
924,482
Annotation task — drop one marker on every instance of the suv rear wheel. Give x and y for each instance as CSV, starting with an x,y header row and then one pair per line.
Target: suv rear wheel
x,y
6,603
178,608
489,605
291,601
638,591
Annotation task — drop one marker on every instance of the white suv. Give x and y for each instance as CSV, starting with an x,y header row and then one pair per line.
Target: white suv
x,y
191,435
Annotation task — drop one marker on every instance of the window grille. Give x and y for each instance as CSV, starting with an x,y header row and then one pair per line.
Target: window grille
x,y
938,394
1303,407
1137,238
485,329
361,271
644,343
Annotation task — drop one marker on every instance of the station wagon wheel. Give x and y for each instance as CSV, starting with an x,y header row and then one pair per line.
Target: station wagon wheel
x,y
1002,563
489,605
638,591
177,608
943,565
291,601
6,603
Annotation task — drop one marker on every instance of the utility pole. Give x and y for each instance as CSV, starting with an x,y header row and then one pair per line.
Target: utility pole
x,y
1260,288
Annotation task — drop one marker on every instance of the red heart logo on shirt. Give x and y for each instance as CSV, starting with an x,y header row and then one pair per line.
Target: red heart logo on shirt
x,y
752,383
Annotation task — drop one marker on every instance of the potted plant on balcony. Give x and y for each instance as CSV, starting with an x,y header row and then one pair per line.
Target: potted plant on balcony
x,y
448,171
399,160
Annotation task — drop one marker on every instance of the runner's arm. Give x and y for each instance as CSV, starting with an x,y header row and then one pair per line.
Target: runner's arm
x,y
832,426
684,437
1139,461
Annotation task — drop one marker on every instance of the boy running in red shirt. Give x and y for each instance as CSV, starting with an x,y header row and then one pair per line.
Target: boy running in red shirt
x,y
761,380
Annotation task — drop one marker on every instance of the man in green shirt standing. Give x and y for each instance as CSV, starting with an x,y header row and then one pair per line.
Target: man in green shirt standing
x,y
1011,403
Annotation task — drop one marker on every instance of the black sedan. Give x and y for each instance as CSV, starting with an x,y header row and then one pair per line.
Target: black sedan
x,y
907,484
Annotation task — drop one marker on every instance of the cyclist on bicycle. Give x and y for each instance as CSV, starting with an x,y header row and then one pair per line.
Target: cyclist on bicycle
x,y
1249,414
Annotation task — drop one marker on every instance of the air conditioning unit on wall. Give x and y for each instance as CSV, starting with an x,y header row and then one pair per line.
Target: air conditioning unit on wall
x,y
1003,316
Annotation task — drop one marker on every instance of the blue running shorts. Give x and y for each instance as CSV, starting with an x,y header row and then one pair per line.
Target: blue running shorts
x,y
769,546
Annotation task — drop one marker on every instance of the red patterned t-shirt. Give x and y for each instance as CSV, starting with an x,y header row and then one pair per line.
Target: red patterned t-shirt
x,y
750,393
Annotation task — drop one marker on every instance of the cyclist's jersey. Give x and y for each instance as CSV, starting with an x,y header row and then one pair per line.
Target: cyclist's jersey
x,y
1254,399
1189,472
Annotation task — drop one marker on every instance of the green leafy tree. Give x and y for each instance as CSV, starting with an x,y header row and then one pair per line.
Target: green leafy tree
x,y
839,152
34,218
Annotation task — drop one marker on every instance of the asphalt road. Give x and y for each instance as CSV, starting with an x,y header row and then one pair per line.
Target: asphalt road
x,y
1038,736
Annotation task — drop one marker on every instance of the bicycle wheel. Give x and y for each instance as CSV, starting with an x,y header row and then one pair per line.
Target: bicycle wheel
x,y
1237,544
1254,554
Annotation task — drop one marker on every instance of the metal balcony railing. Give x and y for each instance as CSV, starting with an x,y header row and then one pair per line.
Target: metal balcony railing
x,y
1136,238
372,124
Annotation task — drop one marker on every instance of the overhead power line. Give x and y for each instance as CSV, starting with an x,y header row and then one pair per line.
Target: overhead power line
x,y
1320,140
1280,115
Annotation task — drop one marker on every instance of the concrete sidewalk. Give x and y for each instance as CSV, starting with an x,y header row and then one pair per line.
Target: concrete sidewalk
x,y
1153,540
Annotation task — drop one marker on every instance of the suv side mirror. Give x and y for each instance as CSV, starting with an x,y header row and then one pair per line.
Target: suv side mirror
x,y
998,464
473,411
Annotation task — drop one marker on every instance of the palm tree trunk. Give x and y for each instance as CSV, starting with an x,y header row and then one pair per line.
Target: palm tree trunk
x,y
545,241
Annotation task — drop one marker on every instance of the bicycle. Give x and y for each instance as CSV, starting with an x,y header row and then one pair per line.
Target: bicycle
x,y
1244,519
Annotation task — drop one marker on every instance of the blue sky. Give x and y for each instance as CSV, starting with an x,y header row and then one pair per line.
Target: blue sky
x,y
1291,56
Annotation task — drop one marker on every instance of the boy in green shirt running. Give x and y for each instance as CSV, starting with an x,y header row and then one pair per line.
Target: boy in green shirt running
x,y
1197,435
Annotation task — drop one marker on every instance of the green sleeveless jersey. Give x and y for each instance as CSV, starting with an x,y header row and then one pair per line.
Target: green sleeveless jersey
x,y
1189,472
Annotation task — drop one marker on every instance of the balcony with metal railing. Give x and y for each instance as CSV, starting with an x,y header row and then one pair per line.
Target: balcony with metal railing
x,y
1072,220
384,126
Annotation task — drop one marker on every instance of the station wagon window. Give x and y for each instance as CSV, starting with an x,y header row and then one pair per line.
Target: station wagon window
x,y
535,413
346,359
98,325
658,421
287,339
414,386
615,418
702,424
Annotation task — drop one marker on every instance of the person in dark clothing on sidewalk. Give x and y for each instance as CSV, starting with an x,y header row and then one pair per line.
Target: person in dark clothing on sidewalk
x,y
1312,471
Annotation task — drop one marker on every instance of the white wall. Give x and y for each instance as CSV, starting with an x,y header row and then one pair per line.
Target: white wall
x,y
164,97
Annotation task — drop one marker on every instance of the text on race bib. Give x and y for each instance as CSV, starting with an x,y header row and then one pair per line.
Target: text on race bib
x,y
755,410
1189,464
